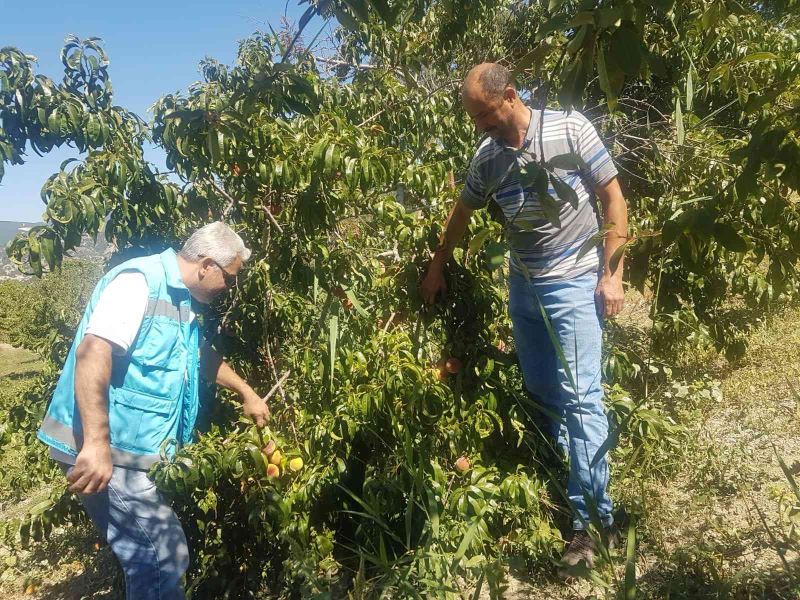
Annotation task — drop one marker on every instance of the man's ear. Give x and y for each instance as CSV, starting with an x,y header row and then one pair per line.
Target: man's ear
x,y
202,270
510,94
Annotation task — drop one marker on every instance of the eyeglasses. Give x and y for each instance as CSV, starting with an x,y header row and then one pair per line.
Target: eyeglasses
x,y
230,279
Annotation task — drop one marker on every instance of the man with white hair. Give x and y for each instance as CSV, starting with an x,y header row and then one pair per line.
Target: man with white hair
x,y
129,392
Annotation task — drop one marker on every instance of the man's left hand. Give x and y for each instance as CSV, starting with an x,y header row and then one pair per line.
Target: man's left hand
x,y
610,296
255,408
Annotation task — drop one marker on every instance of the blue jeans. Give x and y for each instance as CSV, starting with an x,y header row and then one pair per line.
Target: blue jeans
x,y
143,532
574,416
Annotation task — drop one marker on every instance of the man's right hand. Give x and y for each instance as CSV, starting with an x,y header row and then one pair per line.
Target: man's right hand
x,y
92,470
433,284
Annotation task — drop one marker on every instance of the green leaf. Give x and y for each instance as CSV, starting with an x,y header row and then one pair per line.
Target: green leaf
x,y
711,16
531,174
613,262
258,459
213,145
726,235
567,162
332,154
663,5
689,90
553,24
610,76
66,162
384,11
307,16
583,17
41,507
467,539
359,9
679,131
356,304
573,82
786,471
657,65
564,190
756,57
495,255
592,242
333,335
48,251
630,562
534,57
551,209
757,100
345,19
626,50
478,239
608,17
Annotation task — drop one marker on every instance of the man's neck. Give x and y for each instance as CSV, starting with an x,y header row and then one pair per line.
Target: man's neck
x,y
185,268
522,120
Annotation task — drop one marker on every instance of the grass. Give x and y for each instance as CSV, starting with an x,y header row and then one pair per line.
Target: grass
x,y
72,564
710,524
17,364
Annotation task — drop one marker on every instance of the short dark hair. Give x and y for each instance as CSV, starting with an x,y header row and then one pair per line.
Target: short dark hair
x,y
494,80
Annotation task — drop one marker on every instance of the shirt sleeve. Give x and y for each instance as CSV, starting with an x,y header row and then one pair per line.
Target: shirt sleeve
x,y
473,194
589,146
118,314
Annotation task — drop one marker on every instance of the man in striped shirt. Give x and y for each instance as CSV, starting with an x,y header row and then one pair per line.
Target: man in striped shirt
x,y
548,276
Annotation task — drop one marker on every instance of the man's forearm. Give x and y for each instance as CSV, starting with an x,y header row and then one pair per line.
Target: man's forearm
x,y
454,230
217,370
615,212
92,378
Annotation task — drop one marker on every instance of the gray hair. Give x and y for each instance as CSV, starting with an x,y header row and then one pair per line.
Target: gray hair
x,y
494,80
216,241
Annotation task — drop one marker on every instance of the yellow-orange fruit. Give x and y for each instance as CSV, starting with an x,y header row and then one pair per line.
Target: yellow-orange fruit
x,y
453,365
276,457
273,470
296,464
269,448
462,464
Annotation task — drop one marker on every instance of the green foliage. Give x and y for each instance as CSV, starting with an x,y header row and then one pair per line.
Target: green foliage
x,y
41,315
340,184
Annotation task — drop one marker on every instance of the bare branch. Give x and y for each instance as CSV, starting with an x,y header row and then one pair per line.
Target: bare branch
x,y
277,386
272,219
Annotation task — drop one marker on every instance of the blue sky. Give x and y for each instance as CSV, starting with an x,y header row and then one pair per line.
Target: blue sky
x,y
154,48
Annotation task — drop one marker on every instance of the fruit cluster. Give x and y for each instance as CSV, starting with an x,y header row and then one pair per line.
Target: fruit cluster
x,y
275,460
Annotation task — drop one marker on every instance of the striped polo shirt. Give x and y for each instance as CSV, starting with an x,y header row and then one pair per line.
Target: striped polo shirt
x,y
548,252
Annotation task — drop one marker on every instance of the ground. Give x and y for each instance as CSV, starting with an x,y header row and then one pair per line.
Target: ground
x,y
708,529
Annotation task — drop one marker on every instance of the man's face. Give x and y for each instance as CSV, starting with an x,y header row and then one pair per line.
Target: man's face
x,y
492,116
213,279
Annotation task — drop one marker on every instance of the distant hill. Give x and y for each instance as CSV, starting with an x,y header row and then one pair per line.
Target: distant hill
x,y
8,230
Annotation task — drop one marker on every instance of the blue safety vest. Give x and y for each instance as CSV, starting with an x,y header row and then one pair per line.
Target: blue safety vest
x,y
153,395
